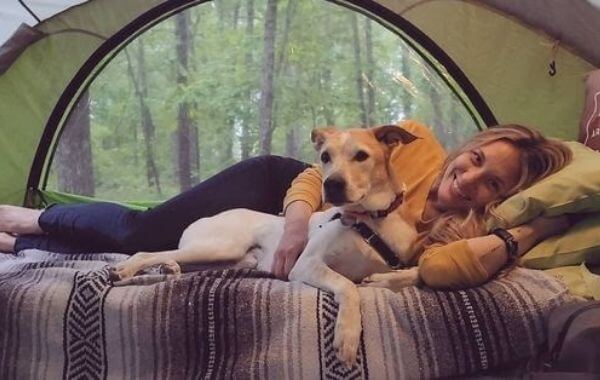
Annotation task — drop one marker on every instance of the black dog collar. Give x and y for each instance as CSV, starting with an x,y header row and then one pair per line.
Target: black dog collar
x,y
376,242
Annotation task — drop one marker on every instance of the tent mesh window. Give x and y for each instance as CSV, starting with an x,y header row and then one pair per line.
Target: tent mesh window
x,y
226,80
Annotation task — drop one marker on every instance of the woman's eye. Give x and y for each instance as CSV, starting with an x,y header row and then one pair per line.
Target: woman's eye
x,y
361,156
495,186
325,158
476,157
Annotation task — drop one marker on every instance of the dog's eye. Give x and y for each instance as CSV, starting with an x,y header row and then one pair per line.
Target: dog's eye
x,y
361,155
325,158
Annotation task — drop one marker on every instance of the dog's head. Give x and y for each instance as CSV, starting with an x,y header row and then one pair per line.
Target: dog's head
x,y
355,165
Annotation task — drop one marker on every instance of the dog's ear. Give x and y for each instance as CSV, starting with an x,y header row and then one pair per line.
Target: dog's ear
x,y
319,135
391,135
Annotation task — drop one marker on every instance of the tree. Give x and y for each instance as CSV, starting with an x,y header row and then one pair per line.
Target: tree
x,y
267,84
370,73
406,72
148,128
358,71
245,143
182,32
74,155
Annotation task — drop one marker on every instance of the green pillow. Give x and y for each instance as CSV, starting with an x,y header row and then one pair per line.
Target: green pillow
x,y
580,243
579,280
573,189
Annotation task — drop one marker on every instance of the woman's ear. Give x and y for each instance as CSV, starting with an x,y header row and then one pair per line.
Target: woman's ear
x,y
391,135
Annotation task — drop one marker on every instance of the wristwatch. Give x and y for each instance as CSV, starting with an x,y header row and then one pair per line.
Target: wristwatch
x,y
512,246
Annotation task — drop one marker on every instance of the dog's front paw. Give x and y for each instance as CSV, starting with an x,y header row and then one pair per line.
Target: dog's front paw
x,y
394,281
249,261
346,341
122,271
170,267
377,280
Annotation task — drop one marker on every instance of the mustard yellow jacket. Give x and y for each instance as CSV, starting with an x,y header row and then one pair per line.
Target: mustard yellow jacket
x,y
418,165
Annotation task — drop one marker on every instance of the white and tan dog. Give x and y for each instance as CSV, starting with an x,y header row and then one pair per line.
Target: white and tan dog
x,y
358,179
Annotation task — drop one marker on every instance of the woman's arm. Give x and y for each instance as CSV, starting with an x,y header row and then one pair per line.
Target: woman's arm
x,y
492,253
293,240
471,262
305,187
301,200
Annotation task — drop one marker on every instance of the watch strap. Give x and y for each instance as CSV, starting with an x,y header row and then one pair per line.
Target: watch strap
x,y
512,246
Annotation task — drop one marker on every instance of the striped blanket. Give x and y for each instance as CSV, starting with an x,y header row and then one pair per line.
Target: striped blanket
x,y
60,317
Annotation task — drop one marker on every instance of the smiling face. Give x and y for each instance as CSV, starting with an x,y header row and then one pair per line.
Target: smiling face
x,y
479,176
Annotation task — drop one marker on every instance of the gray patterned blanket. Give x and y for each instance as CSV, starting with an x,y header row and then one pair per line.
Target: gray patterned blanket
x,y
60,317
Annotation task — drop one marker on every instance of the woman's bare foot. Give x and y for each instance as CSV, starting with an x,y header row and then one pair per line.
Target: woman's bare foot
x,y
19,220
7,242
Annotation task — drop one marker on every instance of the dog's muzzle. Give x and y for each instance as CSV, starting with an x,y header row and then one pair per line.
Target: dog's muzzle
x,y
335,191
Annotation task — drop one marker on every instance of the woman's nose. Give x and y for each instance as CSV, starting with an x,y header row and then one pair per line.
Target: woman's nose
x,y
472,177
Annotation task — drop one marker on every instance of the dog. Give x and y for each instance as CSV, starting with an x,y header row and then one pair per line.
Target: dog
x,y
359,182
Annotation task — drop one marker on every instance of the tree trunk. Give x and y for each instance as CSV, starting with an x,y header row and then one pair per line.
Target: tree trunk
x,y
194,152
147,123
228,147
236,14
195,164
287,24
292,145
184,122
358,72
370,73
406,72
325,86
74,154
453,132
436,109
267,82
246,144
325,82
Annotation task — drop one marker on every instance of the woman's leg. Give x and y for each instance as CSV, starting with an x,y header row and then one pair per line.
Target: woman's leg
x,y
259,184
19,220
51,243
75,228
7,242
97,227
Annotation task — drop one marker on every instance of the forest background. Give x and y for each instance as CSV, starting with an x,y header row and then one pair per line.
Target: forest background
x,y
231,79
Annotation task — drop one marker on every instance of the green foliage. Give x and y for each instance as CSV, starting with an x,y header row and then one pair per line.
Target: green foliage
x,y
315,84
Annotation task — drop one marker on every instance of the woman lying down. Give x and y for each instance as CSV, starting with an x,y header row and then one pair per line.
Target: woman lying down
x,y
447,198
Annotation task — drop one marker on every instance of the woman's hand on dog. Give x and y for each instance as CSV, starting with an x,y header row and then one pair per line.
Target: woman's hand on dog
x,y
293,240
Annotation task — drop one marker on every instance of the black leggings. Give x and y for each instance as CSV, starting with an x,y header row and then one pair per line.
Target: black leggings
x,y
258,183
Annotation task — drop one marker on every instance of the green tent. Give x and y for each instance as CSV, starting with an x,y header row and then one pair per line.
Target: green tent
x,y
505,61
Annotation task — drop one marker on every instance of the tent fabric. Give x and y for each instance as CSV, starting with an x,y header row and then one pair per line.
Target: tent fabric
x,y
12,49
13,14
504,49
573,23
509,64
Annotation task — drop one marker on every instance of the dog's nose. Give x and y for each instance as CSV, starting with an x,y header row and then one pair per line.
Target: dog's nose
x,y
335,191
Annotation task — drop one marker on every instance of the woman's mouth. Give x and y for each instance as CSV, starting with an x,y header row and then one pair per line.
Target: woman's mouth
x,y
458,190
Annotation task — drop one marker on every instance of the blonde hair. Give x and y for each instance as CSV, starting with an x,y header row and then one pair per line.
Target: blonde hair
x,y
539,156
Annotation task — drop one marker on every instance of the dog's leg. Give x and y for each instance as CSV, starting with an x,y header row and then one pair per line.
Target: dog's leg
x,y
205,251
144,260
226,237
394,280
315,272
